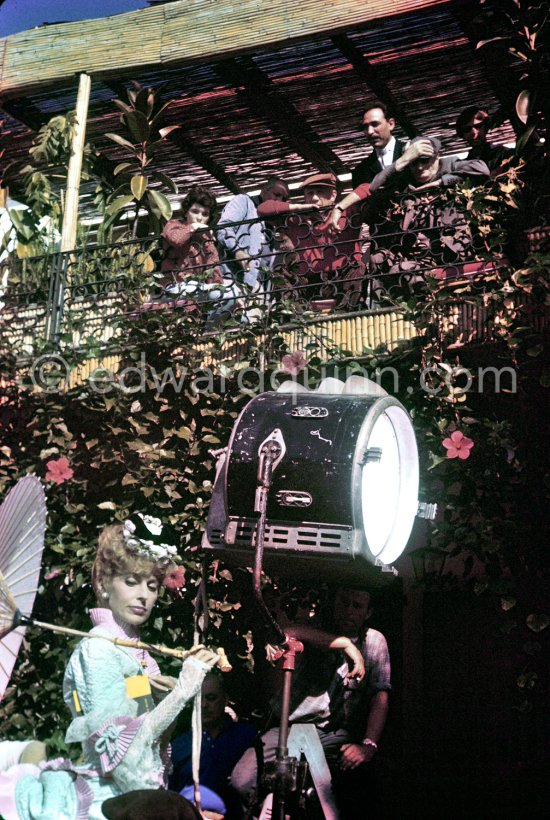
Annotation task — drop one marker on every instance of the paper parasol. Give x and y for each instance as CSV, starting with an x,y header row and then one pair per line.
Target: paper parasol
x,y
22,526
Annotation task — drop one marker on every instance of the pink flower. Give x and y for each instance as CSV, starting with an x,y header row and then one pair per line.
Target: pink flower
x,y
458,445
175,579
292,363
59,471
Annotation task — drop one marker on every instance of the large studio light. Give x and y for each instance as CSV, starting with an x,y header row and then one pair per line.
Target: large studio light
x,y
343,491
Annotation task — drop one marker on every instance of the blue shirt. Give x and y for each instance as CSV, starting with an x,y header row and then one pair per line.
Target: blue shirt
x,y
218,755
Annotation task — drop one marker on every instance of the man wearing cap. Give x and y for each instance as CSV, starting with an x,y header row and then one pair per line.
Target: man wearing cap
x,y
421,167
435,231
311,256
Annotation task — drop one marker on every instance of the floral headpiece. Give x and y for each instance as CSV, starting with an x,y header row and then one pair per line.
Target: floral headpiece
x,y
143,535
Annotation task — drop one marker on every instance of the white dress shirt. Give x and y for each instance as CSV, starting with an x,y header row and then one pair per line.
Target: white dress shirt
x,y
385,155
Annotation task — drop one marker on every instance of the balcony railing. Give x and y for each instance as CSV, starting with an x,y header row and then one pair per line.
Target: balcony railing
x,y
325,290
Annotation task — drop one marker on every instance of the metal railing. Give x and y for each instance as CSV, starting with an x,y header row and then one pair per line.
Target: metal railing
x,y
300,271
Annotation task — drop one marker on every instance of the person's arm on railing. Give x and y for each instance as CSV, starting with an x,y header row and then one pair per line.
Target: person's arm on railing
x,y
273,207
357,195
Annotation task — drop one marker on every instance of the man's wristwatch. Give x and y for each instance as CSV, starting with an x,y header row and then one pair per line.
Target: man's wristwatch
x,y
368,742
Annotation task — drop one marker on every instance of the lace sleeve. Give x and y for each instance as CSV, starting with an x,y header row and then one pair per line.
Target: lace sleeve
x,y
95,688
141,766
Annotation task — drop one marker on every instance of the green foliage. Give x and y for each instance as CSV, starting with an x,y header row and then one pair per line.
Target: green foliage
x,y
523,29
141,119
37,230
141,439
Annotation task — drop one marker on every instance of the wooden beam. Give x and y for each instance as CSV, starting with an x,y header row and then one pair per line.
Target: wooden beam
x,y
263,98
190,147
375,82
24,112
70,214
181,32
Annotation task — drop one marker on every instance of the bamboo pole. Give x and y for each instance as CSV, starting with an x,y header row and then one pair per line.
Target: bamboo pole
x,y
182,654
70,215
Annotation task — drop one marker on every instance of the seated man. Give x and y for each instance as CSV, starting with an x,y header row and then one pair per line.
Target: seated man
x,y
224,741
313,259
348,708
248,246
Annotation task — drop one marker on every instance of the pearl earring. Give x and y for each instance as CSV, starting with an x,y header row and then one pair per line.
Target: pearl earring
x,y
105,595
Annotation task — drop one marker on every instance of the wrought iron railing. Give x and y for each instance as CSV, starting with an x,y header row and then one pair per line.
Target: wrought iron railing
x,y
91,297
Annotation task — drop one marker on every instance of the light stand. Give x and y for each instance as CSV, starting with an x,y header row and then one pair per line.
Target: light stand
x,y
325,481
270,454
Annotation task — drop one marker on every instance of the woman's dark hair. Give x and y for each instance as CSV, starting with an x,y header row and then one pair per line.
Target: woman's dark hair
x,y
201,196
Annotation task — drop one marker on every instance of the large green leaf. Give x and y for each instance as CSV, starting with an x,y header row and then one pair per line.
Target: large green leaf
x,y
166,180
138,125
141,100
23,223
118,204
525,137
120,140
138,185
122,166
163,132
124,107
159,204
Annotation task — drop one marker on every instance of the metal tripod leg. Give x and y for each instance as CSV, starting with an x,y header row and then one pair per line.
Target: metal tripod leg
x,y
303,737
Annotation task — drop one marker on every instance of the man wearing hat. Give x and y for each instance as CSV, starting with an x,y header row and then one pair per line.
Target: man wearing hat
x,y
421,167
435,229
308,254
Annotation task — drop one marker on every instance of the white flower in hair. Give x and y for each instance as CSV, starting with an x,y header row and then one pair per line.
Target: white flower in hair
x,y
128,531
143,545
154,525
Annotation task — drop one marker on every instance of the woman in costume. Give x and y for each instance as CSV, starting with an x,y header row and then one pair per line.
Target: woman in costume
x,y
124,735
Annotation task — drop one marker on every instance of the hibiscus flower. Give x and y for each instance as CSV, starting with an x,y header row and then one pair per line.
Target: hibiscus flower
x,y
292,363
175,579
458,445
59,471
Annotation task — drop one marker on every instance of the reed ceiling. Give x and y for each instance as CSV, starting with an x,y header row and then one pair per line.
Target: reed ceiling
x,y
294,107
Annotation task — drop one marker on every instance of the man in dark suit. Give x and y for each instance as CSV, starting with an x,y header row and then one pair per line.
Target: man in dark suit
x,y
378,127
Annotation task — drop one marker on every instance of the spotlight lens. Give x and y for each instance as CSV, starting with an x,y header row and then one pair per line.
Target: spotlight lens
x,y
389,487
380,487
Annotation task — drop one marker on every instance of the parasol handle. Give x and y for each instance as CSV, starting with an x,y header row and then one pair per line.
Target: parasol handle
x,y
181,654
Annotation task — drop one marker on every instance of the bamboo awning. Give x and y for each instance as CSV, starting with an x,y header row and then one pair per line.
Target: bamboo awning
x,y
182,31
258,88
